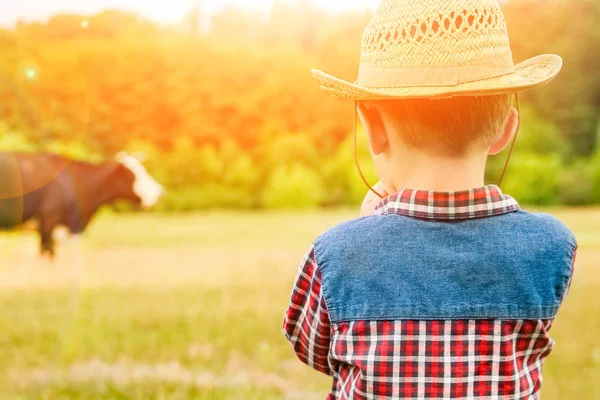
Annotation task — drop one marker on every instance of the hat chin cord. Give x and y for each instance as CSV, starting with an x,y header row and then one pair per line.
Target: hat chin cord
x,y
362,176
514,141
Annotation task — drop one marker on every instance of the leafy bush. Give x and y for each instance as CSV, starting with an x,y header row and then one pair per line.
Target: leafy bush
x,y
17,141
202,197
293,186
576,185
74,150
342,180
14,141
207,177
533,178
594,165
540,135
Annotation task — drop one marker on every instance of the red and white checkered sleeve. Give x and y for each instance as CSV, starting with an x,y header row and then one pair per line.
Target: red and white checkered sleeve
x,y
306,324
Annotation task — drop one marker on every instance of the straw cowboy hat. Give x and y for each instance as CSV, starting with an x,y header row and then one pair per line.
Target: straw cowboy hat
x,y
436,49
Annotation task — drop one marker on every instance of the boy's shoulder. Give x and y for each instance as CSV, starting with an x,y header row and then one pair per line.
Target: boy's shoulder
x,y
341,233
360,223
547,224
380,228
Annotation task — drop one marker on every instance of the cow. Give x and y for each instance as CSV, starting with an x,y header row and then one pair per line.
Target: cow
x,y
57,191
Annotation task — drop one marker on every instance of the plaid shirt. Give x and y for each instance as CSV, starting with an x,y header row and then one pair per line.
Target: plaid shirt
x,y
411,359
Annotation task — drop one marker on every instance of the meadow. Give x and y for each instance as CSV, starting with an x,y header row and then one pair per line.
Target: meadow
x,y
189,306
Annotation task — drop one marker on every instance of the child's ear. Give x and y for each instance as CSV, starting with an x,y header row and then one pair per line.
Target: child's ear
x,y
509,130
374,126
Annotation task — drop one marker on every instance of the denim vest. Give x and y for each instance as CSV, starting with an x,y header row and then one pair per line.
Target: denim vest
x,y
390,267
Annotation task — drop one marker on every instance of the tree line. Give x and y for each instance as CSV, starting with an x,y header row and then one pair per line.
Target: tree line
x,y
229,116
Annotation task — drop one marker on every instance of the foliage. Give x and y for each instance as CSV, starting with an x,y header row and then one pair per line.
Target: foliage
x,y
577,185
595,172
11,140
573,100
343,182
293,186
533,178
229,115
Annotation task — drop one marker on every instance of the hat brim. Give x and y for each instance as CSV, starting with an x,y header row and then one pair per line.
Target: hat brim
x,y
532,73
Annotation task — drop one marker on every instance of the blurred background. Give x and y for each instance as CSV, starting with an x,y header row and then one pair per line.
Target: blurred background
x,y
186,302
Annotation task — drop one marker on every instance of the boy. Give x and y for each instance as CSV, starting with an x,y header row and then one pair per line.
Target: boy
x,y
444,289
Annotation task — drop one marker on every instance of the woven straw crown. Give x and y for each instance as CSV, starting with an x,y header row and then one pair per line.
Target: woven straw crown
x,y
435,48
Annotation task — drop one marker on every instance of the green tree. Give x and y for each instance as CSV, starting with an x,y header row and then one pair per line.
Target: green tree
x,y
534,179
295,187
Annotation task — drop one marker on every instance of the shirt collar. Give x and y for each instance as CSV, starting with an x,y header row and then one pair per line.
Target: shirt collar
x,y
482,202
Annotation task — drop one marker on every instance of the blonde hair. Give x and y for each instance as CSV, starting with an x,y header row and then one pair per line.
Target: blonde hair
x,y
453,126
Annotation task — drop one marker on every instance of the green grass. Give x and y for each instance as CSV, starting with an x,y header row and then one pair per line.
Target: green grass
x,y
190,307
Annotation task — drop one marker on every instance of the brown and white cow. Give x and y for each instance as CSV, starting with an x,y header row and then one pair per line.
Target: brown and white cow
x,y
57,191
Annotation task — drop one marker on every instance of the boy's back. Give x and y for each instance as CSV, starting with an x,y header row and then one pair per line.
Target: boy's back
x,y
448,291
437,295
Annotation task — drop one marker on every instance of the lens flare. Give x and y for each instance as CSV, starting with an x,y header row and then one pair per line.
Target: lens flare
x,y
30,73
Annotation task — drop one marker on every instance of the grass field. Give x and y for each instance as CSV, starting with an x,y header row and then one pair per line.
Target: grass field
x,y
190,307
